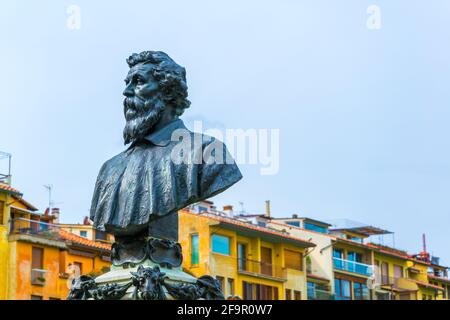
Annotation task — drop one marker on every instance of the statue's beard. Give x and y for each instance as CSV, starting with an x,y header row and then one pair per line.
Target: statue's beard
x,y
141,116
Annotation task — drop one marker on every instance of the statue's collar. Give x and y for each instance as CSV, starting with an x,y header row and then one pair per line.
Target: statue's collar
x,y
163,136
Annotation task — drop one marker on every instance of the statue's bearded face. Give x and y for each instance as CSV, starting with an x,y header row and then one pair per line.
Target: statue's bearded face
x,y
143,105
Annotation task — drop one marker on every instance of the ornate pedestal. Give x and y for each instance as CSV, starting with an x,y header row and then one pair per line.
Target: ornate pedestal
x,y
146,270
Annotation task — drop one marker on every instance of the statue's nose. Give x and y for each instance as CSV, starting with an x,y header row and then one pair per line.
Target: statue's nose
x,y
128,92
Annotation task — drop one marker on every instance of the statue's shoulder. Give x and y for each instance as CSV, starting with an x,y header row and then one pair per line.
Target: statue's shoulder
x,y
111,163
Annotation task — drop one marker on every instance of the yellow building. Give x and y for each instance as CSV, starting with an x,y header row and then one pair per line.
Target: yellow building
x,y
344,266
37,258
250,261
319,262
87,231
438,276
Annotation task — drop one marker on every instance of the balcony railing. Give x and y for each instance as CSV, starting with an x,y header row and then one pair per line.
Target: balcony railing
x,y
35,228
352,266
260,268
38,277
318,294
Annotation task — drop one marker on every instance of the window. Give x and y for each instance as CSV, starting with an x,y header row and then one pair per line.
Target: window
x,y
34,297
83,233
360,291
398,272
2,208
253,291
266,261
297,295
194,249
221,282
230,287
337,259
37,264
248,290
293,260
293,223
342,289
384,273
242,256
355,256
337,253
100,235
220,244
288,294
313,227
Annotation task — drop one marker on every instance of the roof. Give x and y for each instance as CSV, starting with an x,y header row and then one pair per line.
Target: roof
x,y
426,285
288,226
384,250
431,276
357,227
26,203
253,230
17,195
391,251
9,189
83,241
322,223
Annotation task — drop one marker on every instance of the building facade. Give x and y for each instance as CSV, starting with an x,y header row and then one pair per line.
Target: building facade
x,y
38,259
251,262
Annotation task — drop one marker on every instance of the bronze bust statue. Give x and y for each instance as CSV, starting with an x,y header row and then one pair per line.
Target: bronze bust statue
x,y
139,191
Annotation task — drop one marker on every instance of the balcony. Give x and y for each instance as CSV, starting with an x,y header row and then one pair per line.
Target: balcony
x,y
399,287
353,267
21,226
38,277
318,294
261,269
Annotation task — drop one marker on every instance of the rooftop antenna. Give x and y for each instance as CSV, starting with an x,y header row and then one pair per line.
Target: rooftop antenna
x,y
241,204
49,188
6,178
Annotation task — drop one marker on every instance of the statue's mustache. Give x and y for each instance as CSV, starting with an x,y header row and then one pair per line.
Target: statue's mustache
x,y
134,106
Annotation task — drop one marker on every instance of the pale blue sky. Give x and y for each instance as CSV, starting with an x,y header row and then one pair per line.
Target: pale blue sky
x,y
363,114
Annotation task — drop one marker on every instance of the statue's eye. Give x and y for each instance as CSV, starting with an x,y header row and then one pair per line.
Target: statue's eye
x,y
139,80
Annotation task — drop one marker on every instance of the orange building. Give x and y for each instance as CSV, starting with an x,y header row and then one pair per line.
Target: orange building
x,y
38,259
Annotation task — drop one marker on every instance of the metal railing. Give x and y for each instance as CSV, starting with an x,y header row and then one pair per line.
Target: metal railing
x,y
318,294
35,228
353,266
261,268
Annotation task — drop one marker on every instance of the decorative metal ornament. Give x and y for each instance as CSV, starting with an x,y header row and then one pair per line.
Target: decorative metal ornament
x,y
149,284
166,253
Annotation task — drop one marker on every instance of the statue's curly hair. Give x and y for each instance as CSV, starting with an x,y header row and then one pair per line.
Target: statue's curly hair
x,y
171,77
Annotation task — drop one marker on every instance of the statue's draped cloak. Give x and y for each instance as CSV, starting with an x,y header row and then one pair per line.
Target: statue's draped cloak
x,y
143,181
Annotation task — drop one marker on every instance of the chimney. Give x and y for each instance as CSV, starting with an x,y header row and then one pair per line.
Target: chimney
x,y
55,213
268,208
86,221
228,209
